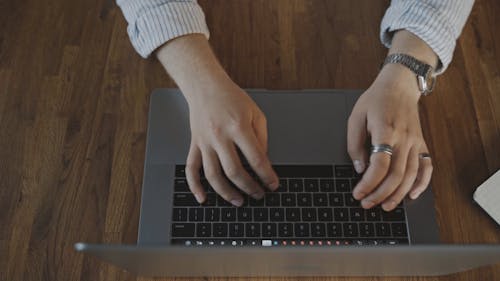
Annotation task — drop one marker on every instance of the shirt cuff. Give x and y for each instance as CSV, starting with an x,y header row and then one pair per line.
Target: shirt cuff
x,y
151,27
426,22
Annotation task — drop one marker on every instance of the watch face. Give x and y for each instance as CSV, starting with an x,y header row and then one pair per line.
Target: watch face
x,y
430,80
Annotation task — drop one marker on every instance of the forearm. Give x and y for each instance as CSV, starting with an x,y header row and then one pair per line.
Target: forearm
x,y
407,43
190,61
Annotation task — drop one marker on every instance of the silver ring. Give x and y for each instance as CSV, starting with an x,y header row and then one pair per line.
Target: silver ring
x,y
424,155
385,148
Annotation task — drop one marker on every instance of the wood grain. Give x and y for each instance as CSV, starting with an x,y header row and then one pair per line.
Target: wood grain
x,y
73,115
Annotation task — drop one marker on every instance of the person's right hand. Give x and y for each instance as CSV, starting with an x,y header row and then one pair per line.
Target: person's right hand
x,y
222,120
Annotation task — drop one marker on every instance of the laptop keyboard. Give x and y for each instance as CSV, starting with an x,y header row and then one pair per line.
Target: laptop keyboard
x,y
313,206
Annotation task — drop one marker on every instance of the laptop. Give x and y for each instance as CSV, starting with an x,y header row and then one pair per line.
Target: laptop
x,y
310,226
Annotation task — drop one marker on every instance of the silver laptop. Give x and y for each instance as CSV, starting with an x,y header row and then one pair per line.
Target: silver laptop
x,y
310,226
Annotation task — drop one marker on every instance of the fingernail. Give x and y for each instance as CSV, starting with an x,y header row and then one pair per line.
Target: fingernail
x,y
257,195
237,202
367,204
274,185
199,198
414,195
358,166
358,195
389,205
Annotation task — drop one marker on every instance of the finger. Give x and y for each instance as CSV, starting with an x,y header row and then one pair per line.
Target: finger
x,y
410,174
249,146
193,165
213,173
423,176
260,128
392,180
380,163
233,169
356,139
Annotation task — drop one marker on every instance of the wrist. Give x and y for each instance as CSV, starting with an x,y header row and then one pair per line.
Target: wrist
x,y
399,79
407,43
193,66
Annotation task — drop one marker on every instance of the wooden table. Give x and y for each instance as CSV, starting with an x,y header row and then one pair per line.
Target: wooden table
x,y
74,102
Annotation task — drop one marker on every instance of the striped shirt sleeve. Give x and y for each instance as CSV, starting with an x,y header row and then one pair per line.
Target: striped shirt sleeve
x,y
437,22
151,23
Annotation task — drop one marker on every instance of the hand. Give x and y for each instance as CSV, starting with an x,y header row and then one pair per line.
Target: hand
x,y
388,113
223,120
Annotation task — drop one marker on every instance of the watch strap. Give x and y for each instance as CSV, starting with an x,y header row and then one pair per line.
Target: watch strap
x,y
418,67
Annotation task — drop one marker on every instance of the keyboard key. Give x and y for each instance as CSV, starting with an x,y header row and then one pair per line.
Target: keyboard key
x,y
326,185
256,203
334,229
183,230
180,214
180,171
236,229
382,229
336,199
366,230
373,214
344,171
292,214
354,182
295,185
318,230
304,171
222,203
277,214
304,199
398,229
206,185
185,199
308,214
357,214
268,230
272,199
325,214
285,229
320,199
350,201
244,214
283,186
211,199
260,214
203,229
252,229
196,214
180,185
301,229
397,214
246,199
350,229
228,214
341,214
289,199
212,214
220,229
342,185
311,185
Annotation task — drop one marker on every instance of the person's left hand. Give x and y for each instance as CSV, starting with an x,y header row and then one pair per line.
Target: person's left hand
x,y
388,113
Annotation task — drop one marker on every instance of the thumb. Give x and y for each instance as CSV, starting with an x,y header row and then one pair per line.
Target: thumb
x,y
356,139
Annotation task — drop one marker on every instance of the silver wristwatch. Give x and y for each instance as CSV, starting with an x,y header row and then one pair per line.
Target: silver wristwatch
x,y
425,73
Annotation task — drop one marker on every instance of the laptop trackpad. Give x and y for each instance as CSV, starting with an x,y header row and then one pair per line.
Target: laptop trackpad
x,y
307,127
